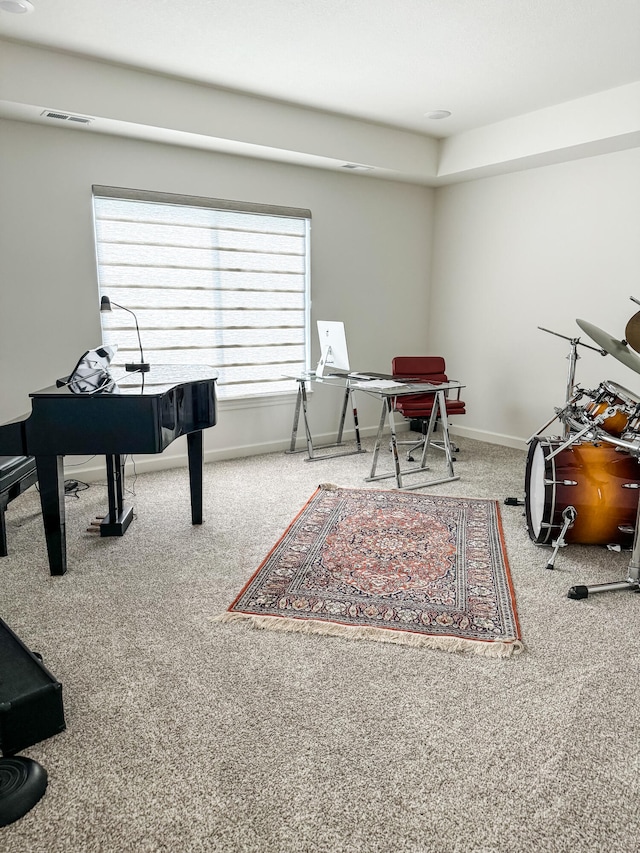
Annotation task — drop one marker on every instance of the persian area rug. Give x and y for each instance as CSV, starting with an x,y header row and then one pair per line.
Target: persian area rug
x,y
393,566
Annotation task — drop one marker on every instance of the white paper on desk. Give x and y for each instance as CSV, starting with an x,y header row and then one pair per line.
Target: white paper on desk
x,y
378,383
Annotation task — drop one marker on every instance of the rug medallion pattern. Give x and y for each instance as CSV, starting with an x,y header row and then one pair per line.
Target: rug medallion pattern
x,y
389,565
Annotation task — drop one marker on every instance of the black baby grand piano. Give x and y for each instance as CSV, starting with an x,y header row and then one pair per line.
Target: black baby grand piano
x,y
141,413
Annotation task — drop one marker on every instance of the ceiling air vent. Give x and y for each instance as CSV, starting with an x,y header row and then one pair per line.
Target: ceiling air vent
x,y
66,117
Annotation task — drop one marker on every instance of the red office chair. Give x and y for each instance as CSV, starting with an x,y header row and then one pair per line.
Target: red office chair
x,y
418,407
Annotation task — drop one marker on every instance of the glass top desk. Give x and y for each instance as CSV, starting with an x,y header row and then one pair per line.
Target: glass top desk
x,y
387,389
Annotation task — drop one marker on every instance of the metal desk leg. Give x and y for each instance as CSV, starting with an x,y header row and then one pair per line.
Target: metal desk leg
x,y
387,411
343,415
349,396
444,422
429,433
394,445
376,449
296,421
302,405
438,406
356,425
305,417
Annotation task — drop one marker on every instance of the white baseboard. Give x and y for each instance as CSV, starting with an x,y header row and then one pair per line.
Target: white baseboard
x,y
490,437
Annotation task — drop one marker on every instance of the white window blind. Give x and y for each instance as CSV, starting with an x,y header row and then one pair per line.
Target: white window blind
x,y
211,282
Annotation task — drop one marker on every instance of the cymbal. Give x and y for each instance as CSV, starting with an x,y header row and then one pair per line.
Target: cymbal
x,y
632,332
618,349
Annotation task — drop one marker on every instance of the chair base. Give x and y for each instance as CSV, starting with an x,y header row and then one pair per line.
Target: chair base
x,y
421,426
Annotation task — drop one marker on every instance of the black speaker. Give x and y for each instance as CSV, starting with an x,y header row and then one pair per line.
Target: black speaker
x,y
30,697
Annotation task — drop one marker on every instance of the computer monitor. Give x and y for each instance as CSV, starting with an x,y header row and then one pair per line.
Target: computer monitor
x,y
333,347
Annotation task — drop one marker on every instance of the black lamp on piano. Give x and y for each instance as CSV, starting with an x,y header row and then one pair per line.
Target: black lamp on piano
x,y
142,366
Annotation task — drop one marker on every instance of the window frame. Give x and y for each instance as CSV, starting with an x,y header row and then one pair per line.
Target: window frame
x,y
256,389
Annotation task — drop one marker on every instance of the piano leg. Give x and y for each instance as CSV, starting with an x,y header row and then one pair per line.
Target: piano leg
x,y
51,480
194,448
120,514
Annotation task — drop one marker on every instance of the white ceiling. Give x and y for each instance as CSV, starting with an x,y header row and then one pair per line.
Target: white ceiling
x,y
387,61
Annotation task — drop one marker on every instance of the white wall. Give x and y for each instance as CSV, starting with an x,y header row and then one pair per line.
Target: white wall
x,y
539,248
371,255
138,104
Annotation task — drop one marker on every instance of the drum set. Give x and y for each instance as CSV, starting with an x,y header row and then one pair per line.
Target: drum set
x,y
583,487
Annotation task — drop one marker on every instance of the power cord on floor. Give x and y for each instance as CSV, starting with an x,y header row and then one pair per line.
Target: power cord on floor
x,y
73,487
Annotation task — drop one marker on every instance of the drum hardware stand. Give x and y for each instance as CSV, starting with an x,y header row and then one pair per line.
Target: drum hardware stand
x,y
632,582
561,413
591,431
571,397
571,375
573,439
569,514
633,577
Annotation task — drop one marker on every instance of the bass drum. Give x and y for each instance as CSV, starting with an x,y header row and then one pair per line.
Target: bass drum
x,y
598,480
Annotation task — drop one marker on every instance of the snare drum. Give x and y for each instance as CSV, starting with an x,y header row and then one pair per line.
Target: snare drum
x,y
622,403
600,482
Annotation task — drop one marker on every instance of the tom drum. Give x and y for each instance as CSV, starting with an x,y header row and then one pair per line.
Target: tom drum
x,y
598,480
617,402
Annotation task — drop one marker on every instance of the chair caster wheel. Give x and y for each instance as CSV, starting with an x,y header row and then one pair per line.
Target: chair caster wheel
x,y
410,459
578,592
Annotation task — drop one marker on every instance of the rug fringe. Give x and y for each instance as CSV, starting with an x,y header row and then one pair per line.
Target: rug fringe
x,y
497,649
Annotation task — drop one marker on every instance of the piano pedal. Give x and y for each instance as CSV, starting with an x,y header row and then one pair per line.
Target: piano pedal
x,y
94,526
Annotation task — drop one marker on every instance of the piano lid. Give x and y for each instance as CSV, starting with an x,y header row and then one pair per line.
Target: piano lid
x,y
158,380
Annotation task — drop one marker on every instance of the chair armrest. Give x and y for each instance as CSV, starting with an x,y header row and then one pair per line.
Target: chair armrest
x,y
457,390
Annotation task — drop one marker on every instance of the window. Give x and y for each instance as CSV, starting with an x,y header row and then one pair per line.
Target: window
x,y
211,282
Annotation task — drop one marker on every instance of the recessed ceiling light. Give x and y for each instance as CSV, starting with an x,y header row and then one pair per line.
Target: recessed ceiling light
x,y
17,7
438,114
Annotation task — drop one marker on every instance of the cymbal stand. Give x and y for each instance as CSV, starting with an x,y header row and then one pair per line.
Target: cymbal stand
x,y
571,374
632,582
572,395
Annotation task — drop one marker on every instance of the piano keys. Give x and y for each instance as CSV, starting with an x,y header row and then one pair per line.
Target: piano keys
x,y
141,413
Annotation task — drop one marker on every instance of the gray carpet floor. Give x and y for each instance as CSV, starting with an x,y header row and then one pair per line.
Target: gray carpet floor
x,y
184,734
